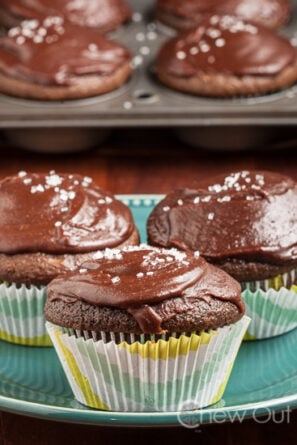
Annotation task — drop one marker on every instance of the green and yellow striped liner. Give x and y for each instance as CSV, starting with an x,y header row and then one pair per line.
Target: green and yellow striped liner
x,y
22,315
152,376
272,312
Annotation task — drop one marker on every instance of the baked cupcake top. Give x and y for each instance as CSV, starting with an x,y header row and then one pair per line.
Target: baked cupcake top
x,y
59,213
150,284
226,44
104,15
246,215
56,53
272,13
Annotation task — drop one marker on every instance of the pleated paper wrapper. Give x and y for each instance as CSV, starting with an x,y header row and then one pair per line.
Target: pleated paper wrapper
x,y
272,312
163,375
22,315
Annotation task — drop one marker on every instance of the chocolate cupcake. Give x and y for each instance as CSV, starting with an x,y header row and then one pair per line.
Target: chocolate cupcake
x,y
134,326
190,13
227,57
55,60
50,223
246,224
102,15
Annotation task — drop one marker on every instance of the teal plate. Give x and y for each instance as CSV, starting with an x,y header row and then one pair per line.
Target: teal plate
x,y
263,380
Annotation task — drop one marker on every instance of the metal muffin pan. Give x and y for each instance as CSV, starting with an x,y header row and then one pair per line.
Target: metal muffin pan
x,y
239,123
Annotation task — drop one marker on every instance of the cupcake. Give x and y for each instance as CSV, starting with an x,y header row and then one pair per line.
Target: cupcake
x,y
146,329
190,13
52,59
227,57
246,224
102,15
50,223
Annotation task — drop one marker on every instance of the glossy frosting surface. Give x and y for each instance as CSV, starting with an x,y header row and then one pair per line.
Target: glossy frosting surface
x,y
53,52
93,13
249,215
247,9
226,44
138,277
59,213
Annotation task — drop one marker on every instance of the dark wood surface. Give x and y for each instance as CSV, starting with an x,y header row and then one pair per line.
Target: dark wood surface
x,y
146,161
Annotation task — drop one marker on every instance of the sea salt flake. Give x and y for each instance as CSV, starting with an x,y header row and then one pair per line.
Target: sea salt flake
x,y
71,195
37,188
53,180
181,55
220,43
115,279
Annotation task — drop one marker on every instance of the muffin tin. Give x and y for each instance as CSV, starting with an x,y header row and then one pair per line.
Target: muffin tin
x,y
239,123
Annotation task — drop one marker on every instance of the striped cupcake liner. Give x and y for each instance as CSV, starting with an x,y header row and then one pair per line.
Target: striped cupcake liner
x,y
287,280
130,374
22,315
272,312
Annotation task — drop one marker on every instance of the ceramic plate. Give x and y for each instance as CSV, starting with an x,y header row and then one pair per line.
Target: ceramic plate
x,y
263,380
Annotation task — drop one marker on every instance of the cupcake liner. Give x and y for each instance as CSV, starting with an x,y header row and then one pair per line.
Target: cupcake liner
x,y
286,280
157,375
272,312
22,315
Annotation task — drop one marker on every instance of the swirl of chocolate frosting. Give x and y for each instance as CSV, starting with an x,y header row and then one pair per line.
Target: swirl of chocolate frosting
x,y
59,213
250,10
138,277
53,52
248,215
226,44
101,14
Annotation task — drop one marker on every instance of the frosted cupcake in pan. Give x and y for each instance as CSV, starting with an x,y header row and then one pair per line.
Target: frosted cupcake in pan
x,y
102,15
50,223
227,57
245,223
51,59
187,14
146,329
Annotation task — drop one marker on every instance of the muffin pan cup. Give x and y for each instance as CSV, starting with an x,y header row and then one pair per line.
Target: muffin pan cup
x,y
242,123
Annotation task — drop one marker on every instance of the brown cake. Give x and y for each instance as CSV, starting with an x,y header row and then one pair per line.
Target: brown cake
x,y
187,14
49,224
227,57
54,60
244,222
133,329
144,290
53,222
102,15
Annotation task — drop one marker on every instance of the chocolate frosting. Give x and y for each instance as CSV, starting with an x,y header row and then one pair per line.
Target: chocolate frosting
x,y
138,277
246,9
93,13
53,52
226,44
248,215
59,213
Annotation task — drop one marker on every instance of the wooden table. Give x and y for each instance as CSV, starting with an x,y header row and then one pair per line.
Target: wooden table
x,y
145,161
